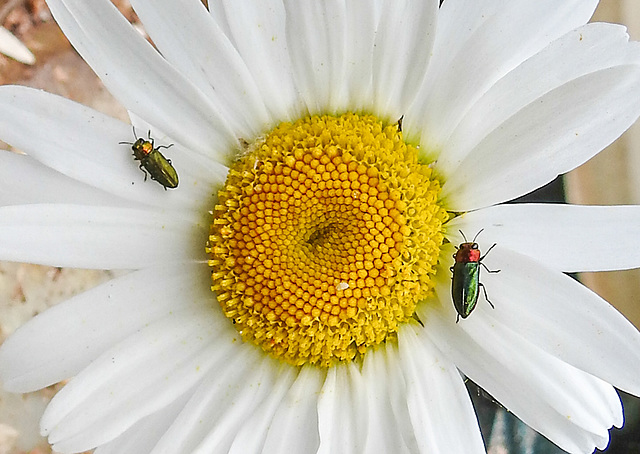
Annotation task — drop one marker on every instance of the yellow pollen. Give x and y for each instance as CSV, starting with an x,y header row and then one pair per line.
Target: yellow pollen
x,y
325,237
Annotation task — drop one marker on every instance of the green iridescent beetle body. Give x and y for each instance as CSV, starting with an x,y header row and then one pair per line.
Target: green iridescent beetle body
x,y
465,281
154,162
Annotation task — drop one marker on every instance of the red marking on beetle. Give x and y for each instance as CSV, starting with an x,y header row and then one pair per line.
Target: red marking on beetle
x,y
467,253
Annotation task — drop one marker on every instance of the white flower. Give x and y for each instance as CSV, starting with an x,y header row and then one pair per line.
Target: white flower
x,y
499,96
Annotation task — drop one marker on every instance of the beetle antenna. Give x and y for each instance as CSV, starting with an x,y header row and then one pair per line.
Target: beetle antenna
x,y
462,233
488,270
135,136
474,238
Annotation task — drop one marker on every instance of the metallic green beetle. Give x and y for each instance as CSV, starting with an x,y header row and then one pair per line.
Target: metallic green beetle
x,y
154,162
465,282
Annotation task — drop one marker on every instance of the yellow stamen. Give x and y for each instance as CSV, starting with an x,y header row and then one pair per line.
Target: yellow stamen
x,y
325,237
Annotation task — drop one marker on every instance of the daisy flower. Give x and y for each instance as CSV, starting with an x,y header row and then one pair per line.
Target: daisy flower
x,y
293,292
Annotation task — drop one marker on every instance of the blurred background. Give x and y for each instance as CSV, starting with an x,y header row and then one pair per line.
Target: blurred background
x,y
50,63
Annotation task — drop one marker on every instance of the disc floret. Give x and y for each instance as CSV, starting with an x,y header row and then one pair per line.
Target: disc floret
x,y
325,237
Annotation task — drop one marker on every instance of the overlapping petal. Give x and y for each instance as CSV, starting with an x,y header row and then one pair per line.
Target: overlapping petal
x,y
532,126
226,396
342,399
562,317
252,435
179,29
384,390
141,79
144,435
317,41
396,388
440,408
294,426
401,54
478,42
546,393
362,19
138,376
59,343
257,30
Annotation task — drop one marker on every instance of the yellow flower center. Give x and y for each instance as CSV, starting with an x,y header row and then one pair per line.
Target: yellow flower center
x,y
325,237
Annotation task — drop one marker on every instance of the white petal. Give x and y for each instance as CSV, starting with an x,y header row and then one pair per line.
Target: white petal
x,y
362,19
478,42
552,126
75,140
13,47
86,145
294,427
586,50
143,81
316,37
143,435
441,411
217,11
137,377
251,436
60,342
331,411
209,420
403,43
563,317
384,430
568,238
258,32
250,391
342,411
571,408
45,185
178,29
397,392
118,238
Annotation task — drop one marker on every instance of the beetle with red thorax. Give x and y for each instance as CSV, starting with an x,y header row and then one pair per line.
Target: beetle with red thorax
x,y
465,281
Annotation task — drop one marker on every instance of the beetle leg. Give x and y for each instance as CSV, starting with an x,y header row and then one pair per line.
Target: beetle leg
x,y
143,171
488,250
488,270
155,179
485,294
